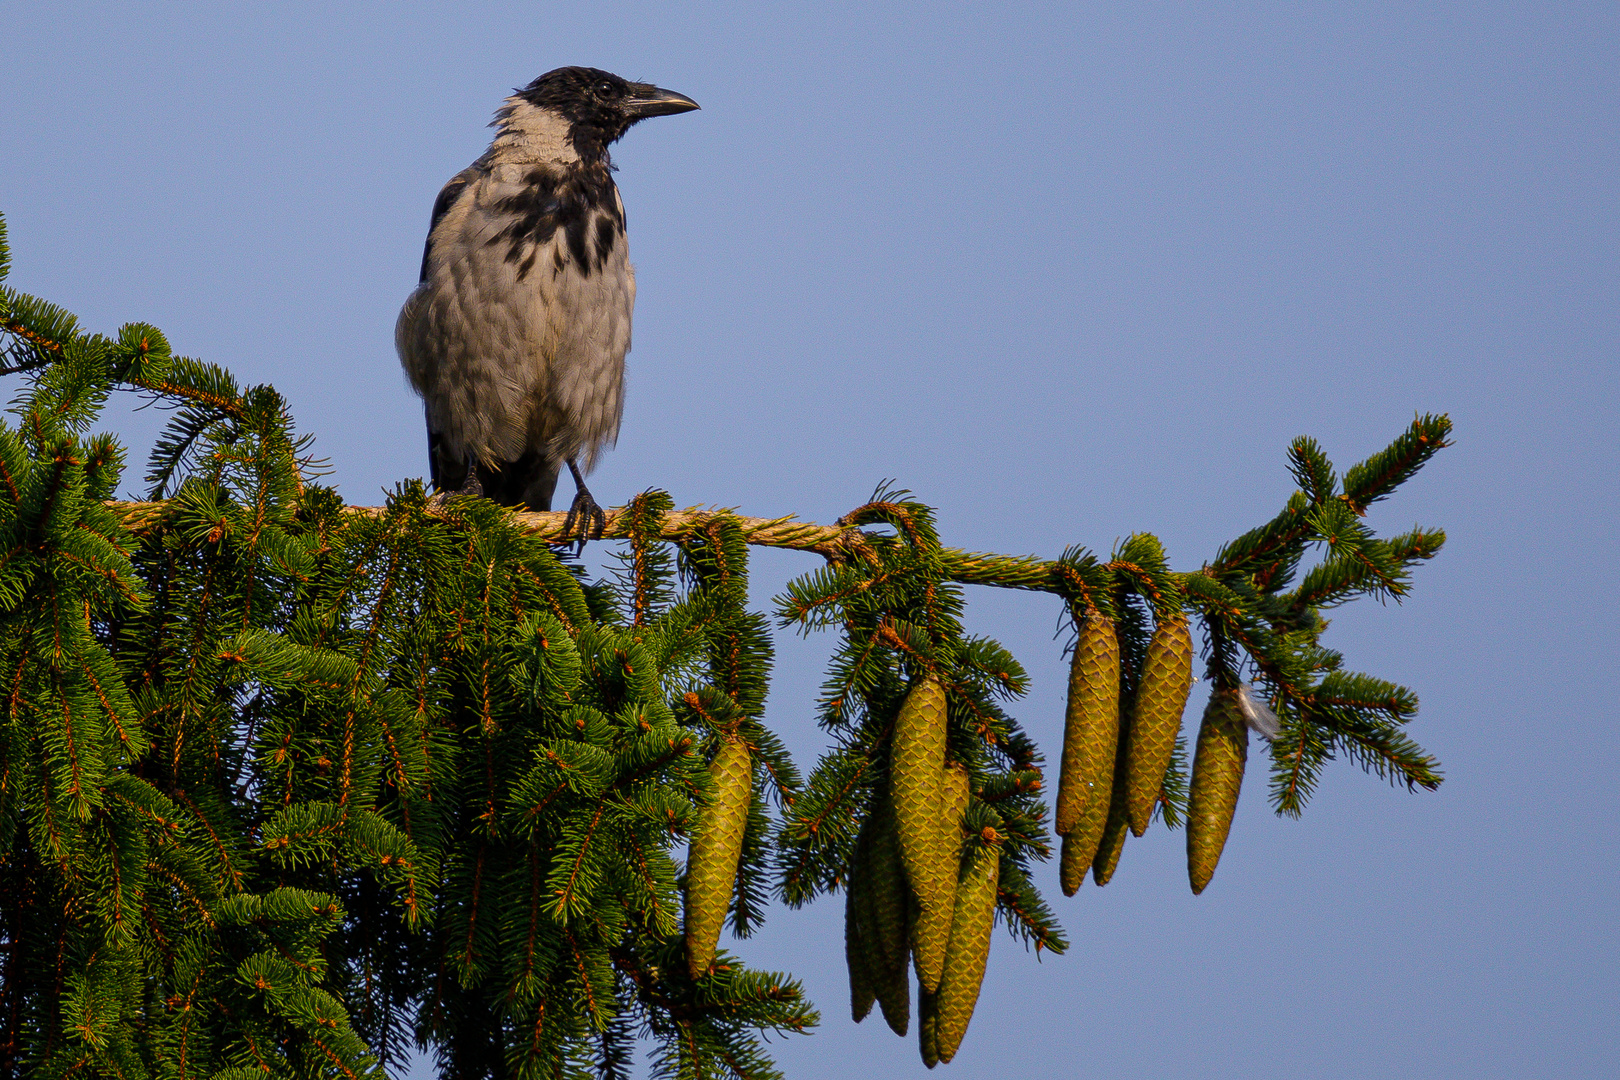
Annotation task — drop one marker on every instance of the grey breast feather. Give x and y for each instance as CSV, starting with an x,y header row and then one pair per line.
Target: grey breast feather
x,y
516,345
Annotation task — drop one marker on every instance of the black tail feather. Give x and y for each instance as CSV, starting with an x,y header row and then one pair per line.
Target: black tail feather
x,y
526,483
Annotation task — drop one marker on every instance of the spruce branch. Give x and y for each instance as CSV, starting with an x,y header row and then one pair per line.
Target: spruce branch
x,y
281,778
1231,593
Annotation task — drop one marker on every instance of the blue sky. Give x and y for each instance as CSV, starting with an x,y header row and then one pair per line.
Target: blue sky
x,y
1067,272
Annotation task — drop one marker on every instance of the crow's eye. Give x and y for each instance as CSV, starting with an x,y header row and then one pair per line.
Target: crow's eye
x,y
604,88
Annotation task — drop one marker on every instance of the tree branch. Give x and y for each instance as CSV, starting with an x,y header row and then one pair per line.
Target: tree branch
x,y
840,543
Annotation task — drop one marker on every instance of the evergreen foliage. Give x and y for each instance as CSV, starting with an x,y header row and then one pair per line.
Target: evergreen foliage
x,y
288,785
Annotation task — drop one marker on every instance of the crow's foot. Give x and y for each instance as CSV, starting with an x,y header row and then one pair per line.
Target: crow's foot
x,y
591,519
583,512
470,486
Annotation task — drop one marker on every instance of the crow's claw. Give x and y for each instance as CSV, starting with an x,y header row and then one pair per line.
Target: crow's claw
x,y
585,513
469,486
472,485
591,518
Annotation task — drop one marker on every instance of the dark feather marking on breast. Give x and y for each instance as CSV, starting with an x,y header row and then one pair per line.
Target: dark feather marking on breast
x,y
527,264
549,201
606,234
534,212
576,244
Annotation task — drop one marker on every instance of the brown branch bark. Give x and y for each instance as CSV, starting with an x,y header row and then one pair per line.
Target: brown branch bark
x,y
836,543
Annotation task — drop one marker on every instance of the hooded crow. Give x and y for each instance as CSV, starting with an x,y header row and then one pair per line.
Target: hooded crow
x,y
515,338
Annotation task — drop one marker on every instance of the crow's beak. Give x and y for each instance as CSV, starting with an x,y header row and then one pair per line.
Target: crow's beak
x,y
648,101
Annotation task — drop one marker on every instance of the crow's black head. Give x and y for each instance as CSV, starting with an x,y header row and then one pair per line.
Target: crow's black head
x,y
600,105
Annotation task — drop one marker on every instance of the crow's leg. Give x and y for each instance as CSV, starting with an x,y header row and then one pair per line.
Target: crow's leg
x,y
591,518
469,486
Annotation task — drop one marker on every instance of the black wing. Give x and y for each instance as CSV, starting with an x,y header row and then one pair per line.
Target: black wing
x,y
441,206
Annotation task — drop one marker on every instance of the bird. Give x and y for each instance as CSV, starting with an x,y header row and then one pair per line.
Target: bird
x,y
515,335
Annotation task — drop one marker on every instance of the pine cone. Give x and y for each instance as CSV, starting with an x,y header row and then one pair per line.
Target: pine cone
x,y
1115,830
858,946
928,1027
884,890
886,886
1223,748
1087,835
954,803
917,792
711,872
1091,724
1156,720
1071,867
973,919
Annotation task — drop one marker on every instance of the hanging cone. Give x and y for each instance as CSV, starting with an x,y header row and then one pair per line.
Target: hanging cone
x,y
886,885
1091,724
861,994
1160,700
1223,749
936,930
711,872
1071,867
889,955
930,934
891,982
1091,769
973,919
859,950
954,803
1115,830
928,1027
916,779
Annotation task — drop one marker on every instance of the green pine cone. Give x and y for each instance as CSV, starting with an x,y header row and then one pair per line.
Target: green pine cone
x,y
927,1027
885,892
1091,724
1156,720
1113,839
971,922
930,935
932,931
1088,773
954,803
1116,824
1071,867
1087,835
859,946
916,785
891,981
1223,749
711,871
955,800
857,953
886,884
